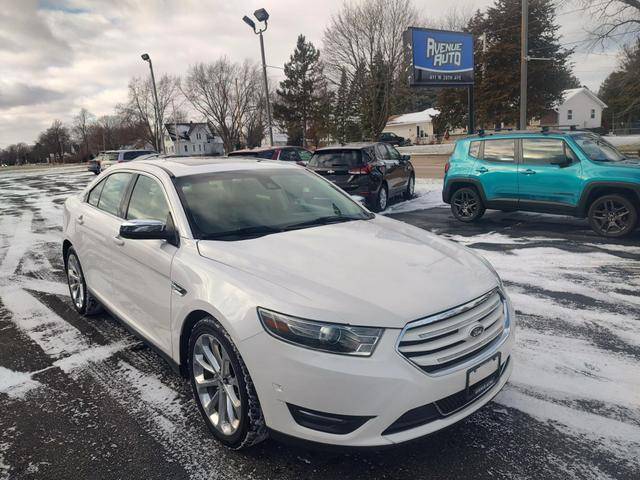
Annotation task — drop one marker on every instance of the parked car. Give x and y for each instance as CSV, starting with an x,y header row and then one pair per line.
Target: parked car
x,y
374,171
299,155
94,165
289,307
118,156
393,139
563,172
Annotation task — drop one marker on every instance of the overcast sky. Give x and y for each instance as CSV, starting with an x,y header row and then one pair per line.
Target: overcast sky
x,y
57,56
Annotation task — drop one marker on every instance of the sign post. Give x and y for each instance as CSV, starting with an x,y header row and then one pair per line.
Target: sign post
x,y
442,58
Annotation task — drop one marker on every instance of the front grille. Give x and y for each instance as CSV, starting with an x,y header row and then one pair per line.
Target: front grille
x,y
445,340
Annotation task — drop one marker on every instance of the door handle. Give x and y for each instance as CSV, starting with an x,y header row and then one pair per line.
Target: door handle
x,y
482,170
118,241
528,171
80,220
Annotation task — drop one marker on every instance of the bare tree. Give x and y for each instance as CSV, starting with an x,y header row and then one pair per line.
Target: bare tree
x,y
140,106
56,141
612,18
80,129
365,39
224,92
457,17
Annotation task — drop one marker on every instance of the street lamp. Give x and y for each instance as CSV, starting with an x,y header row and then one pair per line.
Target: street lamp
x,y
262,16
147,58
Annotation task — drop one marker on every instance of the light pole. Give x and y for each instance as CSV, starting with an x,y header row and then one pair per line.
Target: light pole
x,y
524,54
147,58
262,16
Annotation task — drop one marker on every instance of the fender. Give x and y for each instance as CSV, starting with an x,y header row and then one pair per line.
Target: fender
x,y
583,206
446,191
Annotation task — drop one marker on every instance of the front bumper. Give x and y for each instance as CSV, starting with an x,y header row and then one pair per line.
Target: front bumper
x,y
383,387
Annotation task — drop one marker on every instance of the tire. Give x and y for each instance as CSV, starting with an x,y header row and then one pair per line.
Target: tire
x,y
381,201
81,298
613,216
466,205
247,427
411,188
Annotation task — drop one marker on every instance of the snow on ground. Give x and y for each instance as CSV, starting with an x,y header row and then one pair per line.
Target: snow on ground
x,y
575,389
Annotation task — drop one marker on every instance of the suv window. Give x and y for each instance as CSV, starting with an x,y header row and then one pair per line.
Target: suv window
x,y
381,151
336,158
113,191
132,155
499,150
474,149
265,154
94,195
304,155
289,155
542,151
147,201
393,153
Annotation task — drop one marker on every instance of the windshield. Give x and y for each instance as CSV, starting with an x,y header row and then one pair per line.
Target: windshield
x,y
336,158
598,149
242,204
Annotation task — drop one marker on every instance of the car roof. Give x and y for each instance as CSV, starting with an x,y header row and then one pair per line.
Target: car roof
x,y
348,146
184,166
525,133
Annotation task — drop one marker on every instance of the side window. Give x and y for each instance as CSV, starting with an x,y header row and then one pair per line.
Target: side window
x,y
393,153
265,154
542,151
499,150
304,155
289,155
94,195
381,151
474,149
147,201
113,192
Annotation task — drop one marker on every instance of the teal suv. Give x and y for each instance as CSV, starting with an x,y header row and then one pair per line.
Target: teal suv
x,y
566,172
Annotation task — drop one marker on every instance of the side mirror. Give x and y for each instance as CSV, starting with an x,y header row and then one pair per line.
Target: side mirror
x,y
147,230
405,158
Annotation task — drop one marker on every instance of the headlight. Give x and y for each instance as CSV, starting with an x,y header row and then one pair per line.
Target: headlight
x,y
327,337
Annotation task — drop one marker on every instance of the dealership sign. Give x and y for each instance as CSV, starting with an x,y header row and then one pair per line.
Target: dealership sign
x,y
439,57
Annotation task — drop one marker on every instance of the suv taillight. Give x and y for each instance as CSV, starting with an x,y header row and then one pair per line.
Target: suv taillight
x,y
447,166
364,170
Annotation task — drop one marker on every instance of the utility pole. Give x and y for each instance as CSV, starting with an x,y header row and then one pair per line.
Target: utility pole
x,y
524,53
159,126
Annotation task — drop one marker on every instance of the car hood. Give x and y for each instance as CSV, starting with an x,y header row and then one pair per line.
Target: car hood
x,y
379,272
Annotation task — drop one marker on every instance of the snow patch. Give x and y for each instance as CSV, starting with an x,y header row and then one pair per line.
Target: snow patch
x,y
15,385
428,194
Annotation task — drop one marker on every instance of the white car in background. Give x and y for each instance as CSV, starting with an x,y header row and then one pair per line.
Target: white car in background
x,y
111,157
291,308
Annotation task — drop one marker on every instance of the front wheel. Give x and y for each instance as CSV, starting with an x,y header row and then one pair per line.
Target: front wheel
x,y
82,299
466,205
223,388
411,188
382,199
613,216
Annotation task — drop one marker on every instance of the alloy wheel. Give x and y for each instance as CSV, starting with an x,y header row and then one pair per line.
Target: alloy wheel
x,y
412,186
76,282
611,217
466,204
382,199
217,384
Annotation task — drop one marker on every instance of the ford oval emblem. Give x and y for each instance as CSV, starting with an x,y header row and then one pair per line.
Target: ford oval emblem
x,y
476,331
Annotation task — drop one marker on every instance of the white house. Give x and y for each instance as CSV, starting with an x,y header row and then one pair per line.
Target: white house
x,y
580,107
280,138
416,126
192,139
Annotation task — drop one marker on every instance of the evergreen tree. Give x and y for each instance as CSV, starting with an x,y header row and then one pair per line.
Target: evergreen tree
x,y
497,66
302,96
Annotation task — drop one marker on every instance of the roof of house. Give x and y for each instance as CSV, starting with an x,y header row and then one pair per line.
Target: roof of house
x,y
186,128
415,117
572,92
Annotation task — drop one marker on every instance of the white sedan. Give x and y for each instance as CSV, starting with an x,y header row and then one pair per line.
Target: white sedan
x,y
291,308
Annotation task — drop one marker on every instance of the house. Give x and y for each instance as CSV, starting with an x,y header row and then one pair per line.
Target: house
x,y
580,107
417,126
280,137
192,139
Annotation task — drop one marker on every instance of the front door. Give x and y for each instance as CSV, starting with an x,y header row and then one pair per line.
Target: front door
x,y
142,268
548,174
496,169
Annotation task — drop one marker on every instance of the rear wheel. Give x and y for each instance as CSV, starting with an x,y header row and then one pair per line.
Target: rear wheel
x,y
466,205
613,216
82,299
223,388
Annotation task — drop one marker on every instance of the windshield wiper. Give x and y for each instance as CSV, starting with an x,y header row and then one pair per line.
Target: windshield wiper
x,y
322,221
253,231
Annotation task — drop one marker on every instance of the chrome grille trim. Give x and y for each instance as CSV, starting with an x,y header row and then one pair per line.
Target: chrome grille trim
x,y
433,343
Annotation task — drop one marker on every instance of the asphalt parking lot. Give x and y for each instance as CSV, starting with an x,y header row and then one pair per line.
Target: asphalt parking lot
x,y
82,398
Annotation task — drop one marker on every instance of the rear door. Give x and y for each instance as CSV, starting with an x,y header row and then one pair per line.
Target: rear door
x,y
142,268
400,174
99,227
496,169
549,173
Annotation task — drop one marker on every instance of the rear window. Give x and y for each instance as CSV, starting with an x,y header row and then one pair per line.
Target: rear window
x,y
132,155
336,158
110,156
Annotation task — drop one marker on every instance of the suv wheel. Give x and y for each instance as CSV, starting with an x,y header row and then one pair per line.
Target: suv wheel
x,y
466,205
382,199
83,301
613,216
223,388
411,188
